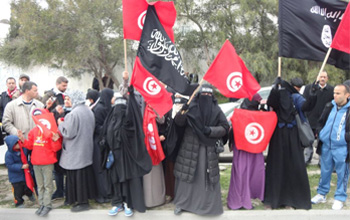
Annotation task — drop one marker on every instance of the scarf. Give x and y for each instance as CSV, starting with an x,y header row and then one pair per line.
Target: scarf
x,y
11,93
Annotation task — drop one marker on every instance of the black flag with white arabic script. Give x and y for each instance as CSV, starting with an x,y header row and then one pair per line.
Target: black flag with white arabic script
x,y
159,56
307,27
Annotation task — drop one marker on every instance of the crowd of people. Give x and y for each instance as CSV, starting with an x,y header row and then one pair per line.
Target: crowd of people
x,y
98,150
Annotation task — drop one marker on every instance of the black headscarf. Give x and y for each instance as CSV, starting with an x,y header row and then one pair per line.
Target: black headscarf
x,y
92,94
204,111
253,104
106,97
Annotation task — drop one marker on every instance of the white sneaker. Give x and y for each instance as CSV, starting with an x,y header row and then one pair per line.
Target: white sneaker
x,y
337,205
318,199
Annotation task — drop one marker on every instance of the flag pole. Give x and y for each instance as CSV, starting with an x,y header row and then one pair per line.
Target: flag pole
x,y
325,61
125,57
195,91
279,66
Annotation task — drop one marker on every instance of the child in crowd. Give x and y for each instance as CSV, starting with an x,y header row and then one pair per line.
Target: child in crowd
x,y
43,158
16,171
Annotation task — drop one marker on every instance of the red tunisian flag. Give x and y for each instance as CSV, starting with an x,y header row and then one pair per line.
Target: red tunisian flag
x,y
151,89
152,140
27,175
45,120
252,130
134,13
341,40
229,74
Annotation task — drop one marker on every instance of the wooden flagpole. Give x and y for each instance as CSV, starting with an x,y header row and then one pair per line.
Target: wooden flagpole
x,y
195,91
125,57
325,61
279,66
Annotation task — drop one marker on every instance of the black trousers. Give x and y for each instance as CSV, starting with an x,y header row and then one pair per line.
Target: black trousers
x,y
19,190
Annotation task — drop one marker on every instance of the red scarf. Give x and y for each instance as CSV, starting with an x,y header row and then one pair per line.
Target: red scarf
x,y
10,93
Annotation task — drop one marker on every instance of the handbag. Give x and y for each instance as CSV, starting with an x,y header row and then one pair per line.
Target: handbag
x,y
110,160
306,134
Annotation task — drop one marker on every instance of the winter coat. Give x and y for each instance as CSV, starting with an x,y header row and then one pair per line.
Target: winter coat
x,y
5,98
17,117
44,151
331,127
77,130
13,160
187,158
324,96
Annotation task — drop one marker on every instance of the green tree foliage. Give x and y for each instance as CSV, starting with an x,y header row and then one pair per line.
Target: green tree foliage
x,y
80,35
252,27
86,35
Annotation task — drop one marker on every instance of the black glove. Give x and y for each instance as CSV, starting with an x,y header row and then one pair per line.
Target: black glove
x,y
206,131
131,89
314,87
277,83
185,107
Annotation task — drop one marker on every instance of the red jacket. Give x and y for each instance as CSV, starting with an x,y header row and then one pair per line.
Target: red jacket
x,y
44,151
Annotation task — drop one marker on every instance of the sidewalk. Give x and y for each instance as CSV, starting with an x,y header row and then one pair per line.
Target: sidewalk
x,y
66,214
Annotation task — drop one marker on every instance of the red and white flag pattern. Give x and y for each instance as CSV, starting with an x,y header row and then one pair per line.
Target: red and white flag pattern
x,y
134,13
341,39
151,89
45,120
253,129
152,139
230,76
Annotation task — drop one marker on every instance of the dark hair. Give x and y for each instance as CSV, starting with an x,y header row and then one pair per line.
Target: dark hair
x,y
297,82
10,79
28,86
61,79
347,88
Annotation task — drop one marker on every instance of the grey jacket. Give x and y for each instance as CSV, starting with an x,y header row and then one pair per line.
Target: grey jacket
x,y
187,159
77,130
17,117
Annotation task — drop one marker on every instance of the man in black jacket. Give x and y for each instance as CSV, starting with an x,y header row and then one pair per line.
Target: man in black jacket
x,y
7,95
56,105
324,95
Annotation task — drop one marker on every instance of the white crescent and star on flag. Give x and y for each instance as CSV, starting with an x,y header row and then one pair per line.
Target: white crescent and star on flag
x,y
234,81
141,19
151,86
45,123
254,133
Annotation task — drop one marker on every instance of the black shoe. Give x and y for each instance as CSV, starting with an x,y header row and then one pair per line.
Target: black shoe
x,y
39,210
80,208
45,211
177,211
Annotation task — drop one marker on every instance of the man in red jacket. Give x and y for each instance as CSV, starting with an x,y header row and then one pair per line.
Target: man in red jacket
x,y
43,159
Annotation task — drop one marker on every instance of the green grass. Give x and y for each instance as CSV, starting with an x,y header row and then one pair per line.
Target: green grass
x,y
314,176
225,175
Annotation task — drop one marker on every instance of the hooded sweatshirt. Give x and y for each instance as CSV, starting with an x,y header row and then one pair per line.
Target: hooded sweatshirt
x,y
44,150
13,160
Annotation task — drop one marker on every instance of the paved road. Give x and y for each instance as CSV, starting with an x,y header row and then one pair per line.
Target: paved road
x,y
66,214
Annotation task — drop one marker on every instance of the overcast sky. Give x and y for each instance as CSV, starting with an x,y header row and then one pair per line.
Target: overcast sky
x,y
4,14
